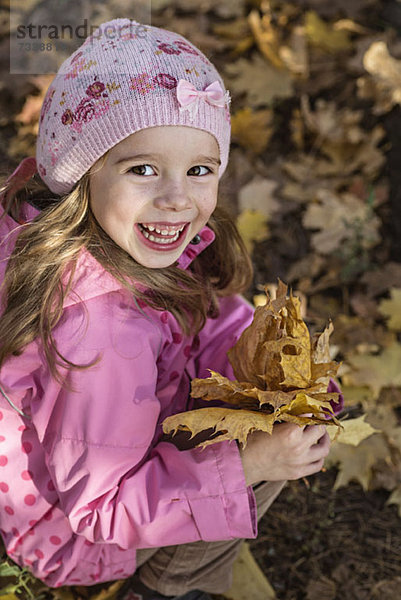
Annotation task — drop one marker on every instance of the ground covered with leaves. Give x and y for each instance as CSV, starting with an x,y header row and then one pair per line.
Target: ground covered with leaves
x,y
318,544
314,181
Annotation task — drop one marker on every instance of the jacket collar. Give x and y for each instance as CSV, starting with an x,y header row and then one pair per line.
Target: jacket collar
x,y
206,236
93,280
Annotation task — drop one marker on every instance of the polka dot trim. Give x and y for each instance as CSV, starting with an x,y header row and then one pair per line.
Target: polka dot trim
x,y
3,460
39,553
177,338
30,499
174,375
2,438
26,447
4,487
26,475
9,510
55,540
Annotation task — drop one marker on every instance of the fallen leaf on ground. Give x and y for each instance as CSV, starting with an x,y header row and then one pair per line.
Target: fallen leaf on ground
x,y
325,35
376,371
267,37
354,431
258,195
261,82
248,579
252,128
253,227
355,463
395,498
391,309
350,219
386,73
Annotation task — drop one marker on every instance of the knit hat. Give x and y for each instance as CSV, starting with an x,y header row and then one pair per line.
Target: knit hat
x,y
126,77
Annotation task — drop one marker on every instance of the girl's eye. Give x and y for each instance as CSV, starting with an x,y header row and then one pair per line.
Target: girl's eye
x,y
200,167
140,170
146,170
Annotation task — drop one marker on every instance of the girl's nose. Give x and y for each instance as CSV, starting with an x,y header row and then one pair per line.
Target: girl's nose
x,y
173,196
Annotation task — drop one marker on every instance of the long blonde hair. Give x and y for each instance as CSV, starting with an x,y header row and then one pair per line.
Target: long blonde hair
x,y
46,253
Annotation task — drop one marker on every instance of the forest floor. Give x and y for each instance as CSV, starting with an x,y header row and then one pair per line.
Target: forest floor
x,y
318,544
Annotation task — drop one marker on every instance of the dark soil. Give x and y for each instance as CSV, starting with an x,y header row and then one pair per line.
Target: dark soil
x,y
320,544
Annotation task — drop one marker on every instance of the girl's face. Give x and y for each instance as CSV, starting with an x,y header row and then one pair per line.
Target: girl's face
x,y
156,191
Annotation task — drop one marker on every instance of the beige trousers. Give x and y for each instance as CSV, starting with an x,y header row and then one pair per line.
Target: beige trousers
x,y
206,566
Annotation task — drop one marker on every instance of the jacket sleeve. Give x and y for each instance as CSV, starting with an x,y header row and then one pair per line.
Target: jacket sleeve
x,y
219,335
114,483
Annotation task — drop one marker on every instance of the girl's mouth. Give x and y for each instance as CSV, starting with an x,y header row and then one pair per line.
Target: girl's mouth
x,y
162,236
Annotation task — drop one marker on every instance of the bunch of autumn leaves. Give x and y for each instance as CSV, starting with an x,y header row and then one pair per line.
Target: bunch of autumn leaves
x,y
281,374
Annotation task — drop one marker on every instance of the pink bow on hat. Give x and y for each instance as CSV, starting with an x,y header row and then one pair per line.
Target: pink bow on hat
x,y
188,96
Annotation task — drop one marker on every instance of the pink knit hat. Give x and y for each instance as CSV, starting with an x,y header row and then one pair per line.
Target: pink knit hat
x,y
126,77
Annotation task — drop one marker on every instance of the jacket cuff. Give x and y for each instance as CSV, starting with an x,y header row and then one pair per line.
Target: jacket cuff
x,y
232,513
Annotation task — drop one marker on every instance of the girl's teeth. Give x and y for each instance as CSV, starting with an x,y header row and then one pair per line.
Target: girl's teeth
x,y
174,235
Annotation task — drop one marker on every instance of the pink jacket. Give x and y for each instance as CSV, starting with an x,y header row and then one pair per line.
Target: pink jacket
x,y
85,479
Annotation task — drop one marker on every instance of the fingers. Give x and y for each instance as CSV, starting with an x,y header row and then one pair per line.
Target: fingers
x,y
314,467
321,448
313,433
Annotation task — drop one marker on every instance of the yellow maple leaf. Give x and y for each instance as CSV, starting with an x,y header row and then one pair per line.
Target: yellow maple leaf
x,y
392,309
253,227
229,423
355,463
354,431
376,370
324,35
252,129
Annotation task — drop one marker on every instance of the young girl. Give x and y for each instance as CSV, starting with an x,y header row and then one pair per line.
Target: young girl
x,y
121,282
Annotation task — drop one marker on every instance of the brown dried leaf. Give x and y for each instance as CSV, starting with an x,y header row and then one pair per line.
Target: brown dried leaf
x,y
277,378
267,37
230,423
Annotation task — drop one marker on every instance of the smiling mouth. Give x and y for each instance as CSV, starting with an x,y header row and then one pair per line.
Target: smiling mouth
x,y
162,233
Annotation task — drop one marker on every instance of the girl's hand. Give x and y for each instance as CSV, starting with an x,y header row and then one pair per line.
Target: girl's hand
x,y
289,452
